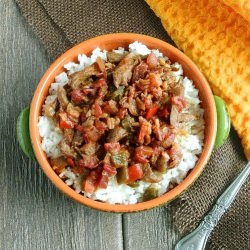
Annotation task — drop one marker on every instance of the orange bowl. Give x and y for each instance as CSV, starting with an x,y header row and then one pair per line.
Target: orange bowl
x,y
109,42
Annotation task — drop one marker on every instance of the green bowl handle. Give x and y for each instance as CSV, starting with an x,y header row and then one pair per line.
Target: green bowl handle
x,y
23,134
223,122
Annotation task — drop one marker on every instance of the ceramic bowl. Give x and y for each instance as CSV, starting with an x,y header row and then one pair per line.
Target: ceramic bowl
x,y
109,42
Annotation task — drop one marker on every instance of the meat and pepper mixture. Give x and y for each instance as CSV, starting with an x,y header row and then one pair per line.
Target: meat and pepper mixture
x,y
120,118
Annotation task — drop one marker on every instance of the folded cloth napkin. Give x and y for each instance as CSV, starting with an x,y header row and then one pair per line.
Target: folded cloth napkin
x,y
241,7
61,24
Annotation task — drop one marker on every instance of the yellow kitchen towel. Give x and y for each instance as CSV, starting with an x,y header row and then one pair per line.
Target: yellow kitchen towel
x,y
216,36
240,6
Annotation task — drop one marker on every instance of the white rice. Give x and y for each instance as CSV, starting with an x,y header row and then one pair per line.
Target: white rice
x,y
51,136
191,144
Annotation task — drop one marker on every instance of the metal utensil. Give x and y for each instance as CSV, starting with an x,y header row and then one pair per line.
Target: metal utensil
x,y
198,238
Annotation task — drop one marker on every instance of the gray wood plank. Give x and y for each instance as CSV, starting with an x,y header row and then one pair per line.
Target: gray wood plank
x,y
148,230
33,213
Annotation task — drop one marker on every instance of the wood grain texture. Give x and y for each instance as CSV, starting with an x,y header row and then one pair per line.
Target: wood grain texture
x,y
148,230
33,213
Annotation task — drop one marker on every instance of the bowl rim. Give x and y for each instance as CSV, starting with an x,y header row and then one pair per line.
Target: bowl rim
x,y
58,182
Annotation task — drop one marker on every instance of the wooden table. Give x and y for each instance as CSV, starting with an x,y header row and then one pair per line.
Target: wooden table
x,y
33,213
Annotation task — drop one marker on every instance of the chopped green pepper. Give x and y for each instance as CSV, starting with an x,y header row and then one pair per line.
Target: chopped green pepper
x,y
120,159
134,184
117,94
128,122
122,175
150,193
162,163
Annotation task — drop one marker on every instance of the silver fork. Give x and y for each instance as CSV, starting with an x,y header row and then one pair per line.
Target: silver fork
x,y
198,238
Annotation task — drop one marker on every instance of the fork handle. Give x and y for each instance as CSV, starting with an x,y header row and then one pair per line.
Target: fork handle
x,y
198,238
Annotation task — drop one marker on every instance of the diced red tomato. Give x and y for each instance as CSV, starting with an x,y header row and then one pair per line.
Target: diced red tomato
x,y
110,169
100,82
135,173
91,182
112,147
91,134
89,186
142,153
103,180
163,113
110,107
148,102
102,92
71,162
90,91
155,80
78,169
65,122
89,161
121,113
80,128
146,151
180,102
77,95
83,117
99,75
156,92
151,112
101,126
142,133
152,60
97,110
140,159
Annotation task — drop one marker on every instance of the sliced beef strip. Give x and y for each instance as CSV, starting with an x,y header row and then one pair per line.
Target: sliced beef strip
x,y
149,175
62,97
117,134
80,78
73,112
169,141
89,157
92,134
123,72
162,162
89,148
161,132
140,71
67,150
176,118
68,135
114,57
89,161
186,117
50,109
175,157
177,89
59,164
77,139
174,88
